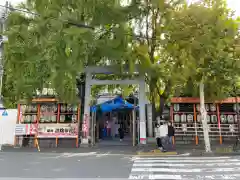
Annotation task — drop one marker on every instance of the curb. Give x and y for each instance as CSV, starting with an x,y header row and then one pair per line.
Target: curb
x,y
155,153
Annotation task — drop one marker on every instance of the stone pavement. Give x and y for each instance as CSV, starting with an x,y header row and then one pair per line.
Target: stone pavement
x,y
186,168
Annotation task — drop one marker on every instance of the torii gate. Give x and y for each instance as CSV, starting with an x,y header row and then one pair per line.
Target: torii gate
x,y
90,71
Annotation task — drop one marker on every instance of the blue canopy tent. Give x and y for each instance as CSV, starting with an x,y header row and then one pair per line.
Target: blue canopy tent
x,y
115,104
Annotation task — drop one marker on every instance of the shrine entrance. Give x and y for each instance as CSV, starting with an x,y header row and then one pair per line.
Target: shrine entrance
x,y
88,121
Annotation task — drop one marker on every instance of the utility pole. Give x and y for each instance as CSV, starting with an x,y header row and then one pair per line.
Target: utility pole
x,y
3,18
3,15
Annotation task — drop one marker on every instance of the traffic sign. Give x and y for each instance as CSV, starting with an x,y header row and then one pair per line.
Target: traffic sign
x,y
4,113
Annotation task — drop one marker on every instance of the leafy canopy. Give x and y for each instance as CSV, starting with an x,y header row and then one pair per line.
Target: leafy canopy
x,y
46,50
206,35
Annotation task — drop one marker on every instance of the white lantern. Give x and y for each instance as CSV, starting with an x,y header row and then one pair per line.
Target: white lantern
x,y
235,119
230,119
208,119
43,108
176,107
50,91
223,118
74,118
63,108
207,107
183,118
235,107
176,118
23,108
44,91
213,107
190,118
214,119
34,108
62,118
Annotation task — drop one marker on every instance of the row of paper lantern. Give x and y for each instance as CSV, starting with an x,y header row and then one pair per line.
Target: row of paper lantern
x,y
49,108
208,107
231,127
45,119
210,118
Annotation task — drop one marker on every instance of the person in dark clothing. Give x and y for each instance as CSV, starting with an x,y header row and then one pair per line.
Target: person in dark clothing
x,y
121,133
171,132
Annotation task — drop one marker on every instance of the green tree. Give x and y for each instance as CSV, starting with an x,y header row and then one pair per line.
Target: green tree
x,y
47,49
149,28
206,34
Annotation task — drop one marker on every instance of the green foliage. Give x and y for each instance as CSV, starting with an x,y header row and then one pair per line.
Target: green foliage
x,y
46,51
153,19
207,36
176,46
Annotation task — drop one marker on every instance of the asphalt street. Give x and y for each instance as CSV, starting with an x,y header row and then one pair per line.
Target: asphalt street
x,y
112,165
64,165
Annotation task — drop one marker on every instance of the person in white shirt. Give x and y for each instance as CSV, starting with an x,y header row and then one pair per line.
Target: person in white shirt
x,y
164,134
161,135
157,136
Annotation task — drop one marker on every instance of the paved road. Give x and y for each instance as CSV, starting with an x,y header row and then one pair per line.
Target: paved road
x,y
63,165
73,166
186,168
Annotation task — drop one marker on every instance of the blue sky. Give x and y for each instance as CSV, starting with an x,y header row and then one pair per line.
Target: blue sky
x,y
233,4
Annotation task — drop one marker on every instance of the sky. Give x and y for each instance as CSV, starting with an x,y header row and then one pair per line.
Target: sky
x,y
233,4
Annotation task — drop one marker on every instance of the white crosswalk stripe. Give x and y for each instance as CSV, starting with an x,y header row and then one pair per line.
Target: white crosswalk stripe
x,y
186,168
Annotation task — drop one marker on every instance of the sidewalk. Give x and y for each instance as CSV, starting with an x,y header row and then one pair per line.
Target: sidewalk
x,y
150,148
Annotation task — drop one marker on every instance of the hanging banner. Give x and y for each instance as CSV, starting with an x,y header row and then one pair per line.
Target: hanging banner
x,y
142,132
85,123
57,130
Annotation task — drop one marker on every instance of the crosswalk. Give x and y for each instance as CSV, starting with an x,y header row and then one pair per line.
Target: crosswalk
x,y
186,168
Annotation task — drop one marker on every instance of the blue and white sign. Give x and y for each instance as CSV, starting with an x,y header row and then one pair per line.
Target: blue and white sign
x,y
4,113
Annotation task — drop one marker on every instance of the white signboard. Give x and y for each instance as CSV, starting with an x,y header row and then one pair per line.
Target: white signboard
x,y
20,129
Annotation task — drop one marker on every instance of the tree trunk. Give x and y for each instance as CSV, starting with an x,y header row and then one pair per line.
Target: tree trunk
x,y
204,118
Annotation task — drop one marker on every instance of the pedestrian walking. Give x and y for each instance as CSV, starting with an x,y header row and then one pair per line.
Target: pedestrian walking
x,y
121,133
164,135
171,133
157,136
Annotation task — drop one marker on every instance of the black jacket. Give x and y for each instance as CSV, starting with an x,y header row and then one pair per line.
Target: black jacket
x,y
171,131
